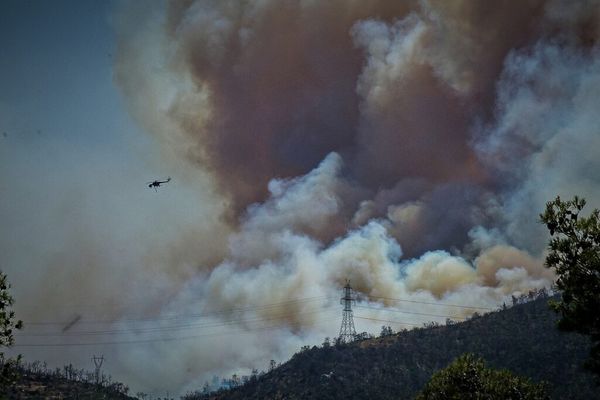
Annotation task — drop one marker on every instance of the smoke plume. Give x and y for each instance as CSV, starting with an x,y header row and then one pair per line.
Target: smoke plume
x,y
405,146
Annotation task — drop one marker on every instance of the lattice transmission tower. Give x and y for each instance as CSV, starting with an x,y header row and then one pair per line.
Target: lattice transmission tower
x,y
98,364
347,330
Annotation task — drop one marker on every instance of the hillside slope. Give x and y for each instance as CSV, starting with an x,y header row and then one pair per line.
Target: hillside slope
x,y
523,339
35,382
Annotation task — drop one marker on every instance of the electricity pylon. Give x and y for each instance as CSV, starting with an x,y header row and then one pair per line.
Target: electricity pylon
x,y
98,364
347,330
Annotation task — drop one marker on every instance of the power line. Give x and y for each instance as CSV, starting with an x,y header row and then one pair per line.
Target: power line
x,y
430,303
206,325
167,339
385,320
152,340
214,324
182,316
412,312
241,309
159,329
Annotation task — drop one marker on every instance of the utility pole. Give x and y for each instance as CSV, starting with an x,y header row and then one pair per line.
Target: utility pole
x,y
98,364
347,330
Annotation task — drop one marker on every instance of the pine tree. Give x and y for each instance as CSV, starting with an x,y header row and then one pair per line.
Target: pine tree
x,y
468,378
574,253
7,326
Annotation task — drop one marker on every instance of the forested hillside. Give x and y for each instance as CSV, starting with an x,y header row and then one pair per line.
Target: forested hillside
x,y
523,339
36,381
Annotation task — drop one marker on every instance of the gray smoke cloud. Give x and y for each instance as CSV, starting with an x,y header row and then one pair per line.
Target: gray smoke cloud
x,y
405,146
272,263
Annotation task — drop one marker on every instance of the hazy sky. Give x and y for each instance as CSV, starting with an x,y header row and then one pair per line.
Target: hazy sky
x,y
62,118
407,146
73,170
57,75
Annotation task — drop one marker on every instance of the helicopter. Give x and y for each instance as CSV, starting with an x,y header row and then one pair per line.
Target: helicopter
x,y
156,184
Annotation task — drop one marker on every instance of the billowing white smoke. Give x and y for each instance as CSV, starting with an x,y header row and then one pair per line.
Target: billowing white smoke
x,y
278,278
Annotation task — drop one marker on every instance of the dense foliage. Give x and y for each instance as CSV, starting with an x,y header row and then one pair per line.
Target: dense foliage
x,y
523,339
8,324
467,378
575,256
